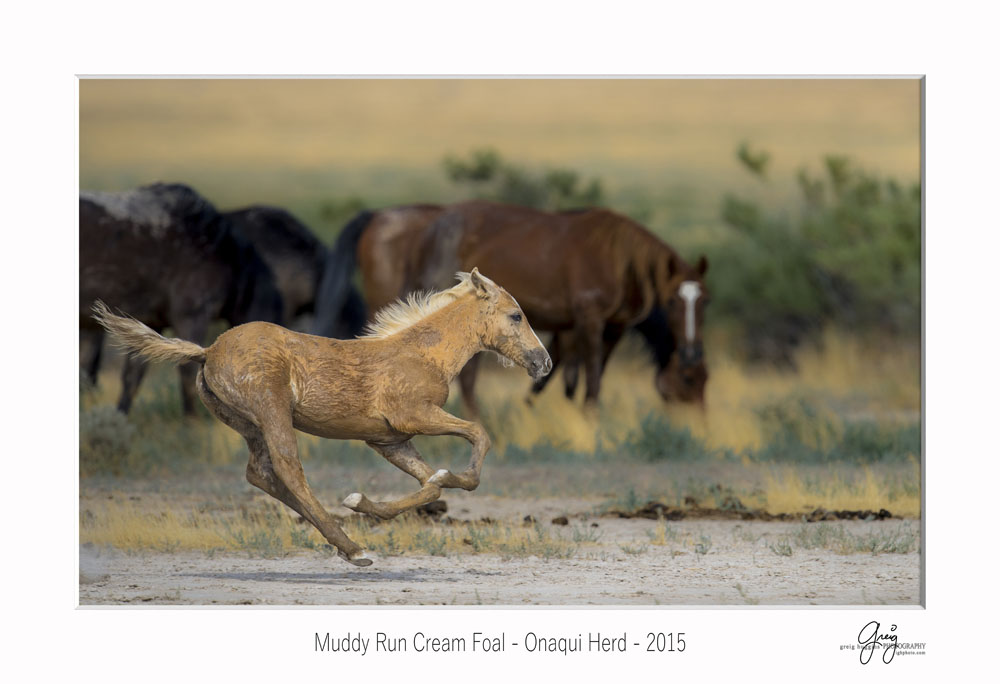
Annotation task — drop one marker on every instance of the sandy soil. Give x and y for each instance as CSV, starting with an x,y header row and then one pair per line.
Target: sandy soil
x,y
738,569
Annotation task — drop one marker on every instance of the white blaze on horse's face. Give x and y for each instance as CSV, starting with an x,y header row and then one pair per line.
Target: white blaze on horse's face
x,y
689,291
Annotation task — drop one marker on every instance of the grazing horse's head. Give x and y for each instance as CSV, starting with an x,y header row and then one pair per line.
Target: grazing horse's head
x,y
682,383
505,329
684,377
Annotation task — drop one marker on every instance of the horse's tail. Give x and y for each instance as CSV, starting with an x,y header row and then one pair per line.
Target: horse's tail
x,y
335,287
138,338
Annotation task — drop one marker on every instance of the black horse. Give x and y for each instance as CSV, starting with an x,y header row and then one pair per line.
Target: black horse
x,y
163,253
299,261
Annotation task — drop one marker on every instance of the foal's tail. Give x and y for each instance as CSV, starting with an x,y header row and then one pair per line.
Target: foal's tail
x,y
138,338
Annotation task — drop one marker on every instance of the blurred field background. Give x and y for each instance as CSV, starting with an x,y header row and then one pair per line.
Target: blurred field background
x,y
664,146
804,194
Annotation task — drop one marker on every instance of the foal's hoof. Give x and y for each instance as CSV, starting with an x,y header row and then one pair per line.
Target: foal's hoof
x,y
353,501
359,558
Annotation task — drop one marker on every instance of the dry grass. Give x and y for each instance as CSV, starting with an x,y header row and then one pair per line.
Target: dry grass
x,y
786,490
264,528
126,525
864,380
861,379
844,374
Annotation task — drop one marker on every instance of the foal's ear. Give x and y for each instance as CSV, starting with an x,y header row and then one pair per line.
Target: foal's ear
x,y
484,287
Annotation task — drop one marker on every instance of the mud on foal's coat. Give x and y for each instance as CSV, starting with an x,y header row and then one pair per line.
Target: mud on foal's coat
x,y
265,382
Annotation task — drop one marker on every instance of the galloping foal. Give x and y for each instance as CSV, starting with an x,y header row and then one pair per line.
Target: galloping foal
x,y
385,387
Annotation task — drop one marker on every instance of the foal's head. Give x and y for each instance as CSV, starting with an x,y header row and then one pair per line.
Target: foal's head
x,y
504,328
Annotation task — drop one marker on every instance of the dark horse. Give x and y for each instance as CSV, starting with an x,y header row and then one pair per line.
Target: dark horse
x,y
299,262
163,253
586,275
680,371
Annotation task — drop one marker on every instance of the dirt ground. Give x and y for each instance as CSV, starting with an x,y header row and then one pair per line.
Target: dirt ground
x,y
624,565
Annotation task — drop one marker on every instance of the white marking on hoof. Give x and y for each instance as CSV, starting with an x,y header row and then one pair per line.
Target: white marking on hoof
x,y
438,476
360,559
353,501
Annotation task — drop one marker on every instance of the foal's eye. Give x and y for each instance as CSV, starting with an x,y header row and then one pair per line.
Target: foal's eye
x,y
517,318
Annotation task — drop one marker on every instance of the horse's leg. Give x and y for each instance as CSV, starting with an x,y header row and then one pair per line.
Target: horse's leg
x,y
571,371
613,333
133,369
467,381
192,328
431,420
610,338
262,473
571,378
405,457
590,331
90,353
275,420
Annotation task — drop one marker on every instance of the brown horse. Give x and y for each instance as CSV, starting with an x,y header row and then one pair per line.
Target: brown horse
x,y
585,275
387,266
265,382
681,374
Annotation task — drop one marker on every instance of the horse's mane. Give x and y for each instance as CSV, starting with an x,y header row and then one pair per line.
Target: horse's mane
x,y
417,306
636,250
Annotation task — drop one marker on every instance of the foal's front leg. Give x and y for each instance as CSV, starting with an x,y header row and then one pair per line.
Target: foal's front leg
x,y
405,457
434,421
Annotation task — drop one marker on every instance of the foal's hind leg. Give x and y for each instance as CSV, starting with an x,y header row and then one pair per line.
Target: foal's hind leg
x,y
279,435
261,474
405,457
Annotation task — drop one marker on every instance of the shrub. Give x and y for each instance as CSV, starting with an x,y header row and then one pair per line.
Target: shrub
x,y
338,211
798,431
657,440
851,256
491,177
105,441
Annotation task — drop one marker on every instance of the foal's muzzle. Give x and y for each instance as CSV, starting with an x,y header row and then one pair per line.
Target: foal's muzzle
x,y
539,363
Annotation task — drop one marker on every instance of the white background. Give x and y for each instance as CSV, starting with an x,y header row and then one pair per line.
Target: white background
x,y
44,46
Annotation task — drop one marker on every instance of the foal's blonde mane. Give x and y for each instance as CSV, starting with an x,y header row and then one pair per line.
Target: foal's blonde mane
x,y
417,306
